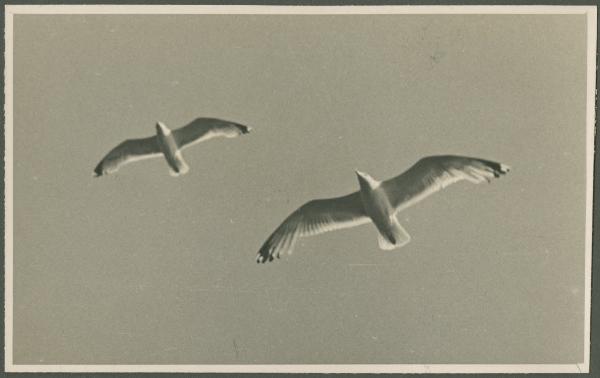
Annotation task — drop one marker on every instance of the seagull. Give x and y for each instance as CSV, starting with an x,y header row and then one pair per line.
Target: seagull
x,y
378,202
169,144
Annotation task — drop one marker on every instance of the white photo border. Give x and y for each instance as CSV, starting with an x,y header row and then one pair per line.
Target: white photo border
x,y
11,10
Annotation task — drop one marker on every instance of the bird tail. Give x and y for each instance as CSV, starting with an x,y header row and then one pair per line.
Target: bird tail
x,y
182,169
396,237
179,166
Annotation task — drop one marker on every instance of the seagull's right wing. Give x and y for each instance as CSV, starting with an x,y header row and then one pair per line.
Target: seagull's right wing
x,y
126,152
202,129
312,218
434,173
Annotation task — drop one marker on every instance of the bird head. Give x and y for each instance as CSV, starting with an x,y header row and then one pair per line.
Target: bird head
x,y
366,181
162,129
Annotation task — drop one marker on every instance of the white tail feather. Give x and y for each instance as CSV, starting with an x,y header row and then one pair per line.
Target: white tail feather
x,y
384,243
399,233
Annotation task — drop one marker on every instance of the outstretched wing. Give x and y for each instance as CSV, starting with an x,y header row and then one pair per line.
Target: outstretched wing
x,y
434,173
312,218
202,129
126,152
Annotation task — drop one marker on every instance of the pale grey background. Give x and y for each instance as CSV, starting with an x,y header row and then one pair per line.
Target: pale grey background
x,y
140,267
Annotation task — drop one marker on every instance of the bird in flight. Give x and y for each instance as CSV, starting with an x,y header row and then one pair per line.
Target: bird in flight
x,y
169,144
378,202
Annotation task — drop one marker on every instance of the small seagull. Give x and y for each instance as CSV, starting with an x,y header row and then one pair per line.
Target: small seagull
x,y
169,144
378,202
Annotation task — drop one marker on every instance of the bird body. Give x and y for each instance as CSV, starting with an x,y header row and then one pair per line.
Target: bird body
x,y
378,207
170,150
378,202
169,144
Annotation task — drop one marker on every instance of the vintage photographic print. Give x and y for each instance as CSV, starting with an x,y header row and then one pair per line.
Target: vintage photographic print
x,y
388,189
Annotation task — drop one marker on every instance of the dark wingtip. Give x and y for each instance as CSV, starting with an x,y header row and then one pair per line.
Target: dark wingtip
x,y
98,171
260,258
244,129
499,169
263,256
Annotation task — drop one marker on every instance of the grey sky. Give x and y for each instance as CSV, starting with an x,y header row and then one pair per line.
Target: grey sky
x,y
140,267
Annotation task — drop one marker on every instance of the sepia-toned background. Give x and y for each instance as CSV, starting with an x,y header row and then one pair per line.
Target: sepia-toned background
x,y
140,267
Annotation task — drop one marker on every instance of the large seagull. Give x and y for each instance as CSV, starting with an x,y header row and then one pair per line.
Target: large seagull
x,y
169,144
378,202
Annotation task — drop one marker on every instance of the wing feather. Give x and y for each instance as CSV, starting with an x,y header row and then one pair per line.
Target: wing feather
x,y
202,129
433,173
313,218
126,152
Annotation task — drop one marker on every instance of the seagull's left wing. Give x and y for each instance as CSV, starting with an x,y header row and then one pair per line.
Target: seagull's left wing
x,y
126,152
434,173
312,218
202,129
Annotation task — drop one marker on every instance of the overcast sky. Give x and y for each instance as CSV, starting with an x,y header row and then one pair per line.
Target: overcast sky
x,y
141,267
